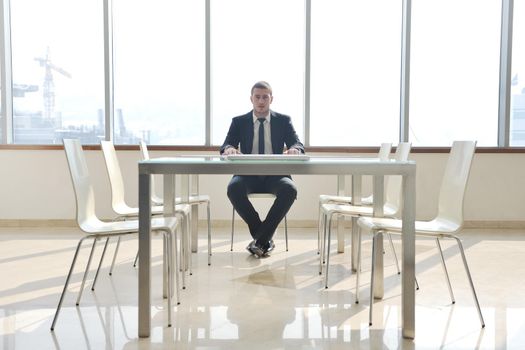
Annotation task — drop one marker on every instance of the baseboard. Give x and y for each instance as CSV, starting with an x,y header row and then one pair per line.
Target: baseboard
x,y
494,224
37,223
238,223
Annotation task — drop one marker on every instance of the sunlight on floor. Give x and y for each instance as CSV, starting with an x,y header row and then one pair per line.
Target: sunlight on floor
x,y
244,303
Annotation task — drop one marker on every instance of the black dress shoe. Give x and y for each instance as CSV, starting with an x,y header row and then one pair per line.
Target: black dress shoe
x,y
250,246
258,251
271,246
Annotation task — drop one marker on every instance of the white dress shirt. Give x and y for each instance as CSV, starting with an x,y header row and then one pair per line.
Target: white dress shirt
x,y
267,135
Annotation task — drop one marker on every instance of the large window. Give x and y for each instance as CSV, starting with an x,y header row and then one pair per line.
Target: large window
x,y
163,63
58,86
517,112
454,71
251,41
159,72
355,72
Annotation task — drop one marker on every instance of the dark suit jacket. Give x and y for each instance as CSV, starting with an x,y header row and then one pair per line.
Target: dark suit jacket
x,y
241,133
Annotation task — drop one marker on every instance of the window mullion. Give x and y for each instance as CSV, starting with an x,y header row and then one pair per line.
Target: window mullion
x,y
505,73
6,83
405,72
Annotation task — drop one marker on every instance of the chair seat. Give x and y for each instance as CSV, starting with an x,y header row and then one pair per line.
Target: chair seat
x,y
202,198
95,226
261,195
193,200
354,210
433,228
326,198
127,212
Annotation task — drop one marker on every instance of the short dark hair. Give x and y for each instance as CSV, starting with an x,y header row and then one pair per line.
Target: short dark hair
x,y
262,85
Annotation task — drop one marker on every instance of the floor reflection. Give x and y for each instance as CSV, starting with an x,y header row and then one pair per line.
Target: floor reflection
x,y
274,303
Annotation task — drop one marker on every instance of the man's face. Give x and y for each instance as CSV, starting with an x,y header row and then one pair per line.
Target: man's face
x,y
261,100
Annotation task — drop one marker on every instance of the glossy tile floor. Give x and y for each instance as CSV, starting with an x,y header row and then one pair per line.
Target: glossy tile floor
x,y
275,303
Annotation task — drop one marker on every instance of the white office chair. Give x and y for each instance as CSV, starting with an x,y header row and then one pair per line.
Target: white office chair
x,y
446,224
96,229
391,209
125,212
383,154
195,199
255,196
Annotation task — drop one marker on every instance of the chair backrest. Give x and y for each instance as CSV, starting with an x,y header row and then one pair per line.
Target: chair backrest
x,y
384,151
393,183
454,183
84,194
116,180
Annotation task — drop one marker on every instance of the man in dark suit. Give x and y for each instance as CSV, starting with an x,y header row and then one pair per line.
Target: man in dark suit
x,y
265,132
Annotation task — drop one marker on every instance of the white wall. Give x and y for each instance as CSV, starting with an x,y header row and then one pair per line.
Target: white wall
x,y
35,185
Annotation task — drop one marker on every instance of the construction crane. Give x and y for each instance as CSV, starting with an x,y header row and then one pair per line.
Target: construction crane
x,y
48,88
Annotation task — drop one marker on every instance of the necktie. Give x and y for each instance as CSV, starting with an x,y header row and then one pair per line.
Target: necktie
x,y
261,135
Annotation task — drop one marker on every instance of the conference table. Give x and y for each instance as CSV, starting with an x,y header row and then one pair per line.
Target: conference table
x,y
184,166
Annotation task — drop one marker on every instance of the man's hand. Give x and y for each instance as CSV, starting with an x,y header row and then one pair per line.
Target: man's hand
x,y
292,151
230,150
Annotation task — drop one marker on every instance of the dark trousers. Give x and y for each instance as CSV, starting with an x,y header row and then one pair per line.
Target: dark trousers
x,y
281,186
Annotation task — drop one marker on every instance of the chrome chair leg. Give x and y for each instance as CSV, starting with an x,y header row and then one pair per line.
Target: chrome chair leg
x,y
322,245
115,257
446,271
324,238
100,263
397,261
395,255
66,284
354,243
167,244
233,228
460,245
374,252
328,243
319,226
86,272
174,246
209,233
136,259
165,252
286,231
188,234
182,266
358,265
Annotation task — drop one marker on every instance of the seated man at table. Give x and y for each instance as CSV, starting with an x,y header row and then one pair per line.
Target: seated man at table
x,y
262,131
